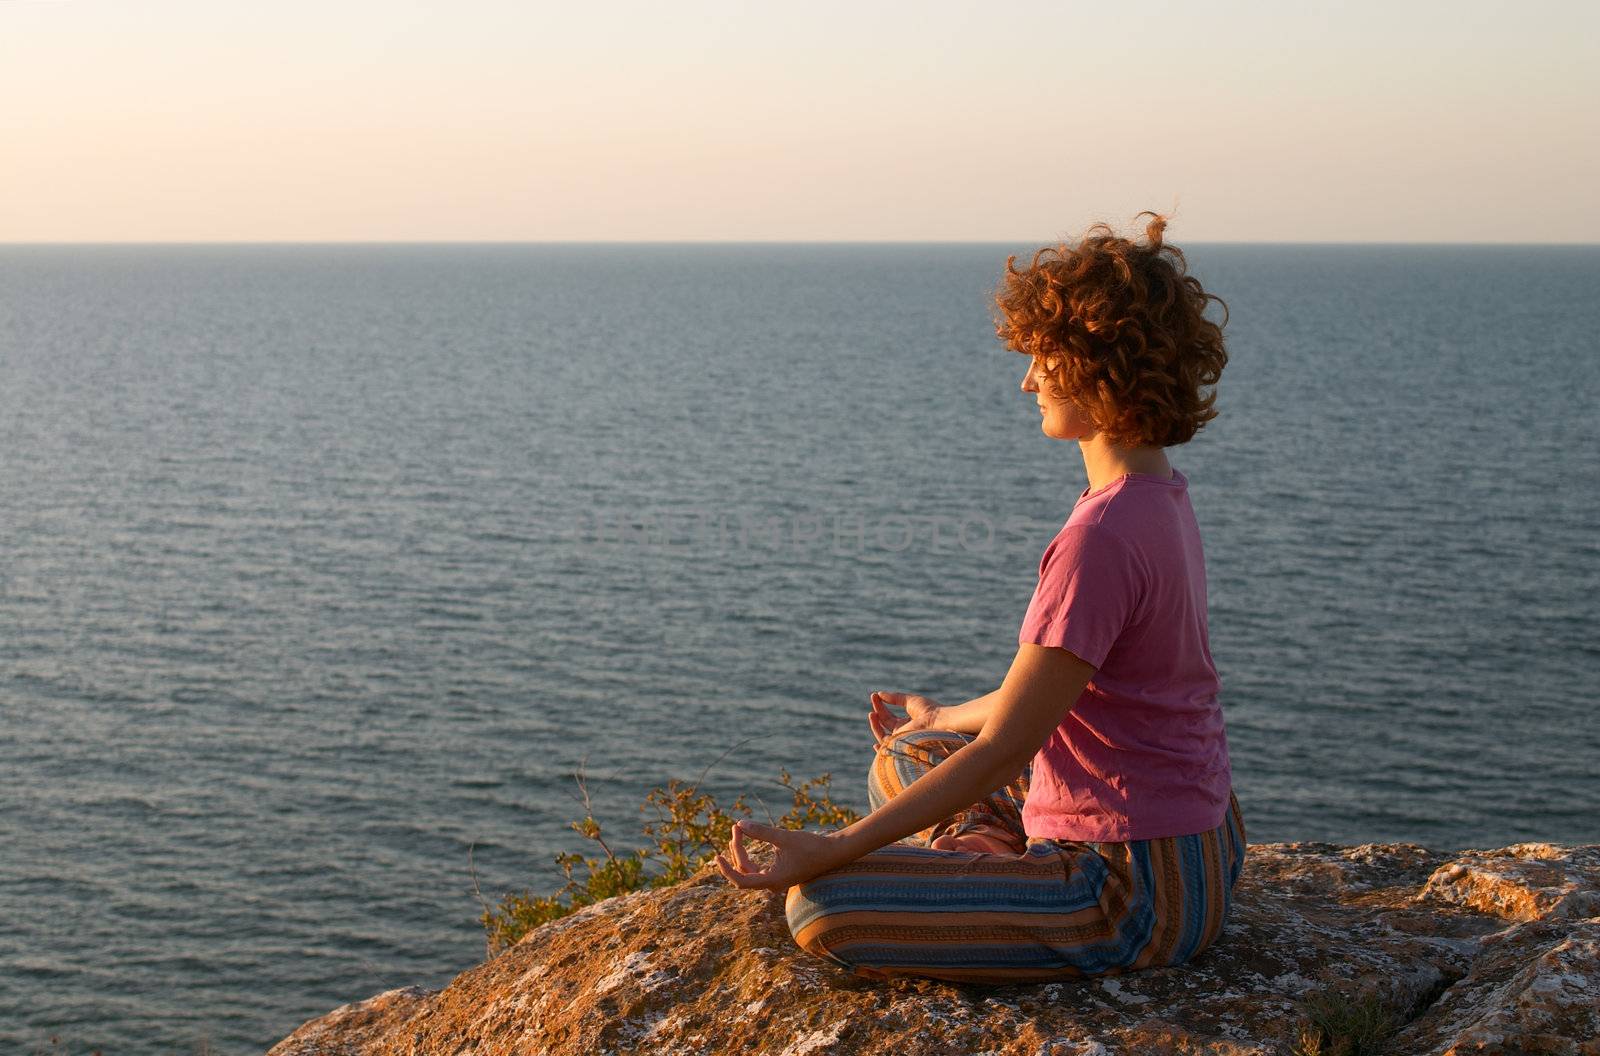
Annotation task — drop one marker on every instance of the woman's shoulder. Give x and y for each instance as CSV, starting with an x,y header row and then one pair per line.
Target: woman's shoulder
x,y
1137,508
1148,528
1089,541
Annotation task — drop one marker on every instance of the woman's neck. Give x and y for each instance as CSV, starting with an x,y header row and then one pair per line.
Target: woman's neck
x,y
1105,462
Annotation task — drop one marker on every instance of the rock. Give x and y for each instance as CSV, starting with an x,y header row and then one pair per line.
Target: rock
x,y
1474,952
1527,881
1533,988
344,1029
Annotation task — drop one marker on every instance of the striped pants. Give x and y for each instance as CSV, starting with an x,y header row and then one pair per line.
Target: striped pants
x,y
1055,909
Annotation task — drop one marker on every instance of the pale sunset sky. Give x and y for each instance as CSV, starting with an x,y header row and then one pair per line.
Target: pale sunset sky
x,y
688,120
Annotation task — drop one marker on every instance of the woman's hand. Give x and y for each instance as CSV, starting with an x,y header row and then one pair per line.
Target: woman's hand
x,y
800,856
923,712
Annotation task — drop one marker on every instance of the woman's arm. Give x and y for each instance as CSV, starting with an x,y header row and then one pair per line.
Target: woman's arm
x,y
1041,687
1019,717
969,717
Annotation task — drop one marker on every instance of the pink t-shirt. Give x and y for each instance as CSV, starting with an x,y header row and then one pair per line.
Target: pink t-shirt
x,y
1143,753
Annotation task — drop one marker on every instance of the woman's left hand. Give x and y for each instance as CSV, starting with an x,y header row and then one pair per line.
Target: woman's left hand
x,y
800,856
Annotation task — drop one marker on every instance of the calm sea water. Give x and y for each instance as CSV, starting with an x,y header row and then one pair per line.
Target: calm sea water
x,y
327,567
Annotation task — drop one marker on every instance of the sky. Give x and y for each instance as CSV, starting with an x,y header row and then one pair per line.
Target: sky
x,y
866,120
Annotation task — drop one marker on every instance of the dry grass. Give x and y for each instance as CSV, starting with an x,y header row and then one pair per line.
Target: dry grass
x,y
1341,1025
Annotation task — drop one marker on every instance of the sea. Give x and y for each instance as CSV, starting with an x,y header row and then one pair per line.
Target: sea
x,y
340,580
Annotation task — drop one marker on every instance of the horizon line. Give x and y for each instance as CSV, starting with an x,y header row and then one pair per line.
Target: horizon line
x,y
760,242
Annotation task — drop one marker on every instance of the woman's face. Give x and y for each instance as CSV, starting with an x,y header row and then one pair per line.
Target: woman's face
x,y
1059,418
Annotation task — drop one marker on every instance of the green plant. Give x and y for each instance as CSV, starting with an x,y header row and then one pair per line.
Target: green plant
x,y
688,831
1340,1025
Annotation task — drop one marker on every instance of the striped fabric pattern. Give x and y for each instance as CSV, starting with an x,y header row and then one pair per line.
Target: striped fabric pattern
x,y
1054,909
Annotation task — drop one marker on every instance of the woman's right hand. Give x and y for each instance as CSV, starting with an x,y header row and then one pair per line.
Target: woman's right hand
x,y
922,712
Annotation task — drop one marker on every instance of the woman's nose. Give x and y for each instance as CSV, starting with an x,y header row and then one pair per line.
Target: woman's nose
x,y
1027,382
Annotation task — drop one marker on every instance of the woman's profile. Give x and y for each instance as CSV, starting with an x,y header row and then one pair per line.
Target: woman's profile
x,y
1080,819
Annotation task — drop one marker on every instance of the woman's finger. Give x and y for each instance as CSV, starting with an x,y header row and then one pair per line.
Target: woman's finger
x,y
735,877
884,721
745,880
737,844
754,830
741,872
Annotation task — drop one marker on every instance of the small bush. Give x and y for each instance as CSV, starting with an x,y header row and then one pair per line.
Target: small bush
x,y
688,831
1345,1026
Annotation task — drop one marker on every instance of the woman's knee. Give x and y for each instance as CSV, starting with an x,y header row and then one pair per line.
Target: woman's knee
x,y
807,909
929,747
925,736
901,758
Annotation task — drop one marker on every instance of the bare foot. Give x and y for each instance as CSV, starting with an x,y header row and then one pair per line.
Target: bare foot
x,y
974,840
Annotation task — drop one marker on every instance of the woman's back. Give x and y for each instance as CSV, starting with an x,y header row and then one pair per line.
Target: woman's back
x,y
1143,754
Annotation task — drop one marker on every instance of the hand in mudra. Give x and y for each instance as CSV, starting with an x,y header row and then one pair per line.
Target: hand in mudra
x,y
923,714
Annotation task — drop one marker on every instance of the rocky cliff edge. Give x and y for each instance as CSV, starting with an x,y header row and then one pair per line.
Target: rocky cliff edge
x,y
1494,951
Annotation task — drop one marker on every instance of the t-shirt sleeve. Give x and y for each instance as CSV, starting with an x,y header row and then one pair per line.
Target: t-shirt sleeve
x,y
1089,589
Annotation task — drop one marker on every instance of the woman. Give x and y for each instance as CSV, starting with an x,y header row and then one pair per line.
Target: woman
x,y
1080,819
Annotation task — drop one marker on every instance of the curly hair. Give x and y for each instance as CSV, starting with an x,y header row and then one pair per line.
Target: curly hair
x,y
1120,330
